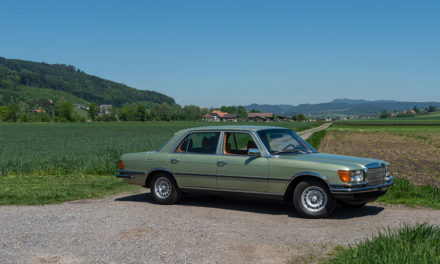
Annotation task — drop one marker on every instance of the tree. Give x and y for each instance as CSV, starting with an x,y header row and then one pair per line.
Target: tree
x,y
65,112
162,112
254,111
416,109
4,113
140,113
385,114
93,111
301,117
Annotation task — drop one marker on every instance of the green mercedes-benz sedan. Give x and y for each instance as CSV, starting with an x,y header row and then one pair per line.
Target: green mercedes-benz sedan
x,y
256,160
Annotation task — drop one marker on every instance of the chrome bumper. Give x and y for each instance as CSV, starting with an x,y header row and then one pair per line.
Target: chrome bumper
x,y
125,174
351,189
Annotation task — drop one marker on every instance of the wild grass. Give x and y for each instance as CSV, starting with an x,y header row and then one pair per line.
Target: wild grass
x,y
409,244
316,139
403,192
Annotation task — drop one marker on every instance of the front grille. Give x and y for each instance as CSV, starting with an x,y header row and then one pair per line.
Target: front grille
x,y
376,176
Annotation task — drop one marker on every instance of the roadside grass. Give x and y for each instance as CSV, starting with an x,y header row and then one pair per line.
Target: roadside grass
x,y
403,192
409,244
316,138
45,189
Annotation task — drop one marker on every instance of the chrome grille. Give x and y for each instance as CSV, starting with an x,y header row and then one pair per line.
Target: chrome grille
x,y
376,176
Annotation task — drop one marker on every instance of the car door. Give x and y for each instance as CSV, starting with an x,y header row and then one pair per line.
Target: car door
x,y
236,170
194,160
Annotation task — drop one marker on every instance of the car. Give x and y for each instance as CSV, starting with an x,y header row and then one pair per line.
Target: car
x,y
271,162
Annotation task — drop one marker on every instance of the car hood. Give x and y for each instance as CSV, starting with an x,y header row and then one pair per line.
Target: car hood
x,y
332,159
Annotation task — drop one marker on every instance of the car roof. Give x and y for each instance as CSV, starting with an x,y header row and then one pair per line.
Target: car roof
x,y
223,128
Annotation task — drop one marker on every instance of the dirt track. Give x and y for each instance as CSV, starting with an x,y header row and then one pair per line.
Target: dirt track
x,y
200,229
307,133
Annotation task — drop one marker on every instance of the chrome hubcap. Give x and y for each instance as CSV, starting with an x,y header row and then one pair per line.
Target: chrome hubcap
x,y
314,199
162,188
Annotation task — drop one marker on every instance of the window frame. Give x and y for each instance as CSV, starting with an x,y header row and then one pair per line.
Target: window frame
x,y
188,136
222,152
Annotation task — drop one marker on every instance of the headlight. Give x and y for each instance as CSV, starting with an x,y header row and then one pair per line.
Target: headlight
x,y
354,176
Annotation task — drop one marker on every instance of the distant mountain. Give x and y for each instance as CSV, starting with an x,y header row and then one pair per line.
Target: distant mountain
x,y
27,81
341,107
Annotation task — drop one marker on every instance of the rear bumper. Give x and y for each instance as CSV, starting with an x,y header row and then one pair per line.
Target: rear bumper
x,y
125,174
360,192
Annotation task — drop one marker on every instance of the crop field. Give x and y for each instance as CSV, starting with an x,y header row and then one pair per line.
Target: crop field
x,y
55,162
414,153
86,148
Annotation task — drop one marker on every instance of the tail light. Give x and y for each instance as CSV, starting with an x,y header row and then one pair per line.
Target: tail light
x,y
121,165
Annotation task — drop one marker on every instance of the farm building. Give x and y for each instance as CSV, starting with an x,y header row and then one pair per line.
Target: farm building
x,y
265,117
217,116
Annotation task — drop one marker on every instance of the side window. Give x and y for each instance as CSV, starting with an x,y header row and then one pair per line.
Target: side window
x,y
238,143
203,142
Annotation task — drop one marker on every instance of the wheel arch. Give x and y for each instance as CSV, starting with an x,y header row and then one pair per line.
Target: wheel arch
x,y
299,177
152,172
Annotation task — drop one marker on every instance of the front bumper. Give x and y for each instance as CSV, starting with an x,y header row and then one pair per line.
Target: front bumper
x,y
360,192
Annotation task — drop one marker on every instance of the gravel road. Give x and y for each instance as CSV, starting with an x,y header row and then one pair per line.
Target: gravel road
x,y
130,228
307,133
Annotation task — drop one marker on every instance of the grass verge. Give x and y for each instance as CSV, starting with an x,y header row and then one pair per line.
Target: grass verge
x,y
44,189
417,244
316,139
403,192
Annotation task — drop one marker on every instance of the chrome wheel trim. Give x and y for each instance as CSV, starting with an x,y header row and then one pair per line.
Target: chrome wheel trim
x,y
314,199
162,187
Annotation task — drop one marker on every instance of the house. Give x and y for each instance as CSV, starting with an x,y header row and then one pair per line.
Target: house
x,y
105,109
265,117
80,106
217,116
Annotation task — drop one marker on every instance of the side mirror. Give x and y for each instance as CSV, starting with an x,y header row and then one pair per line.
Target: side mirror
x,y
254,152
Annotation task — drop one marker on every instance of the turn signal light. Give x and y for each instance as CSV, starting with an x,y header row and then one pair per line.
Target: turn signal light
x,y
121,165
345,176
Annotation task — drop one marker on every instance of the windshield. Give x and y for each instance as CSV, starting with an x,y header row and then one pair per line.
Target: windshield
x,y
281,141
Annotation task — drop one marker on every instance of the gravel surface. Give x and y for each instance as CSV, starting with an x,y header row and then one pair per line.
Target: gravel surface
x,y
130,228
309,132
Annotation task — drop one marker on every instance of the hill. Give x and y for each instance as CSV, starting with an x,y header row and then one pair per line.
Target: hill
x,y
27,81
341,107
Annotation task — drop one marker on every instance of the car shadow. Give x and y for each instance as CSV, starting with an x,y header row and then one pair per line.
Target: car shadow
x,y
254,205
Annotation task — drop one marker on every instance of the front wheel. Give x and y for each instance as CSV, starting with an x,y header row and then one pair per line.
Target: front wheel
x,y
312,199
164,189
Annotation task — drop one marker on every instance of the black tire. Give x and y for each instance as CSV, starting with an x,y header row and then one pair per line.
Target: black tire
x,y
164,189
350,204
312,199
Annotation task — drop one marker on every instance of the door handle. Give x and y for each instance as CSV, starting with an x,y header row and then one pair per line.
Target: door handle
x,y
174,161
221,163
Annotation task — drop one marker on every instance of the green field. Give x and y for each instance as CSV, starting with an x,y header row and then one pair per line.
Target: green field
x,y
54,162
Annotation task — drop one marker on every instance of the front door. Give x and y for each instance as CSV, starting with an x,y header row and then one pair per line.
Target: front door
x,y
236,170
194,161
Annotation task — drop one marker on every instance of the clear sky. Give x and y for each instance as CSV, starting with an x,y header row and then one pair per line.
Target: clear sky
x,y
213,53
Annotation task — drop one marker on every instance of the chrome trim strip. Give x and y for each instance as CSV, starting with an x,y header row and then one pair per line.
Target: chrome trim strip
x,y
349,189
227,190
129,172
232,176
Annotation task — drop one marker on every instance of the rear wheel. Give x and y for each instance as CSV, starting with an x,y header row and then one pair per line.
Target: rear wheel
x,y
164,189
312,199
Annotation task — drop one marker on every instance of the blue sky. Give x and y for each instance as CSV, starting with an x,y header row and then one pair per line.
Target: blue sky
x,y
213,53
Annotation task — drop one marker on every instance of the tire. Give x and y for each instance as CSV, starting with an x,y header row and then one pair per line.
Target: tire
x,y
312,199
354,204
164,189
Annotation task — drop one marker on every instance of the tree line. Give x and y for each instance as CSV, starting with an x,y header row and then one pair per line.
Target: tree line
x,y
65,111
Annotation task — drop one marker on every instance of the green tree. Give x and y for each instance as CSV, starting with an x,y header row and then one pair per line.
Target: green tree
x,y
65,112
140,113
4,113
162,112
301,117
416,109
385,114
93,111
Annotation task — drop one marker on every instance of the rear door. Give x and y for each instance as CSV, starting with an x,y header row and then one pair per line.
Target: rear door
x,y
194,160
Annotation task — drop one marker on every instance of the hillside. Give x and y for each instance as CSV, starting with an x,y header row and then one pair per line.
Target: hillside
x,y
341,106
27,81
